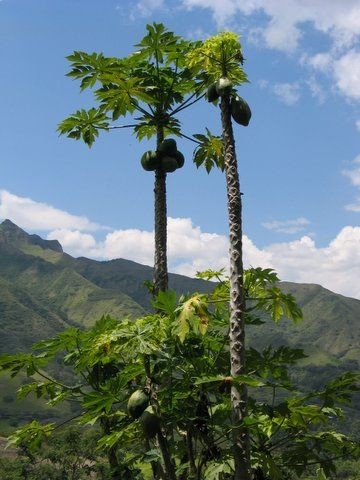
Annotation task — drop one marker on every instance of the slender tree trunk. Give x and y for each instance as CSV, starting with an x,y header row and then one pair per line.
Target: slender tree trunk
x,y
160,261
241,445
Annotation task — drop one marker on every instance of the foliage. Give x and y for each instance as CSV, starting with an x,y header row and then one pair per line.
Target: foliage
x,y
218,56
70,454
152,85
180,357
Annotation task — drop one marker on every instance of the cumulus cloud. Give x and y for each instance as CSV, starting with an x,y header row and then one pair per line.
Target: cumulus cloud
x,y
347,74
354,176
285,23
316,90
286,19
288,226
145,8
33,215
335,266
289,93
354,173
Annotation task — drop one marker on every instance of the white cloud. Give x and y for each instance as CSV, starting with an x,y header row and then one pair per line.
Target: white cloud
x,y
286,22
287,226
316,89
289,93
28,214
335,266
354,207
286,18
145,8
347,74
343,68
354,175
321,62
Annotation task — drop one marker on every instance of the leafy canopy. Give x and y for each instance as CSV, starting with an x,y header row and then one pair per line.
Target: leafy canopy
x,y
180,357
218,56
154,83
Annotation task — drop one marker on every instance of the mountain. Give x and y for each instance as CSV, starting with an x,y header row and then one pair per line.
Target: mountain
x,y
44,290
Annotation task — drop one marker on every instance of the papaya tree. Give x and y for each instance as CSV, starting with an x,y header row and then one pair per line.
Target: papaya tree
x,y
151,86
185,345
219,59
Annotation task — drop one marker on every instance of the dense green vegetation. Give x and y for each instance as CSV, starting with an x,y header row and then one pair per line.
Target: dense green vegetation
x,y
178,357
329,332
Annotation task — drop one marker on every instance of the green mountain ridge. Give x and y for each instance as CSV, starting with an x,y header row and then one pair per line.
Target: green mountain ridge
x,y
37,277
44,290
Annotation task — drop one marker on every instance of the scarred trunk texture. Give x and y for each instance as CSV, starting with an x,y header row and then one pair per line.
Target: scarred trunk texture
x,y
160,261
241,446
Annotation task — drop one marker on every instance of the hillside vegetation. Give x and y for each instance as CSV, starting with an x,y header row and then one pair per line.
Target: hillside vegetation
x,y
44,290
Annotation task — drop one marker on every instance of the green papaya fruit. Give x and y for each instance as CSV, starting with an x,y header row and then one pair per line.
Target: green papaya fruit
x,y
180,159
167,147
240,111
223,86
137,403
150,422
169,164
211,93
150,161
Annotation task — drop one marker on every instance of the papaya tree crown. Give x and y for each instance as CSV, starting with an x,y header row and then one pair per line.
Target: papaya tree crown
x,y
219,55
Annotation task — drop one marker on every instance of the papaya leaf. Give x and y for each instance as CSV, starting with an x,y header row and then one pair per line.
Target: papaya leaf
x,y
209,152
31,434
165,301
85,124
219,53
192,315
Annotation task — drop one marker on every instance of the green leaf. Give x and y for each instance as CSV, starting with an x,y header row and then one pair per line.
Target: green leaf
x,y
217,55
192,315
209,153
31,434
165,301
85,124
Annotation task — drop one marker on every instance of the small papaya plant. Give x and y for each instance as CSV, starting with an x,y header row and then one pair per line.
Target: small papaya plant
x,y
184,350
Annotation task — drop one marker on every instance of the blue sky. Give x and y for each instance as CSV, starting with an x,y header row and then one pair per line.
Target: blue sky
x,y
299,159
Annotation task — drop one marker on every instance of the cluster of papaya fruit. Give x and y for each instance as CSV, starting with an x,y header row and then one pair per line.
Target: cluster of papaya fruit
x,y
167,157
240,110
140,408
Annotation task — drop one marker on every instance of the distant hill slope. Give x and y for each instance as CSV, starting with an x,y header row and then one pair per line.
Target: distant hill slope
x,y
44,290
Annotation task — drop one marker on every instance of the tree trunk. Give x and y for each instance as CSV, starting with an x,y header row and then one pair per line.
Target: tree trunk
x,y
241,444
160,261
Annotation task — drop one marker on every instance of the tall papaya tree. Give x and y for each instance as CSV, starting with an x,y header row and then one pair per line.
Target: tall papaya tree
x,y
151,85
219,60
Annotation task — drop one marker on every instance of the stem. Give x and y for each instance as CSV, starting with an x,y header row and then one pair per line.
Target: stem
x,y
160,261
183,135
185,103
169,466
190,451
241,445
49,379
